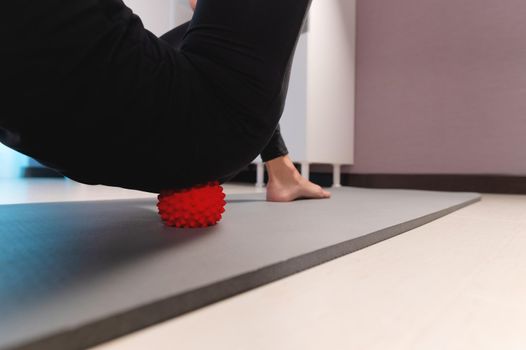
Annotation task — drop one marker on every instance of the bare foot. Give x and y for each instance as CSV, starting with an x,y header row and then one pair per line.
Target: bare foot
x,y
278,192
286,183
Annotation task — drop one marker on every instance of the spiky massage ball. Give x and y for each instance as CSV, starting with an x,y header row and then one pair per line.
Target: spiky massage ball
x,y
199,206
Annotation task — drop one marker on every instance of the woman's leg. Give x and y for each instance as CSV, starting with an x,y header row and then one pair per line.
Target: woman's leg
x,y
242,53
285,183
244,49
276,147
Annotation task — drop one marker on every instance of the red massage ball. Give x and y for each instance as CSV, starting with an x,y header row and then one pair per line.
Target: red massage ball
x,y
199,206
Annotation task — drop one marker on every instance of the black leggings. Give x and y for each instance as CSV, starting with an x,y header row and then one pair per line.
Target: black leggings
x,y
102,100
276,147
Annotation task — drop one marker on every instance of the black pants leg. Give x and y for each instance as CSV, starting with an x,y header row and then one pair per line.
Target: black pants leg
x,y
276,147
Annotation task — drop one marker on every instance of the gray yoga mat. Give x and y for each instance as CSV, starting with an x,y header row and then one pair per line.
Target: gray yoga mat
x,y
77,274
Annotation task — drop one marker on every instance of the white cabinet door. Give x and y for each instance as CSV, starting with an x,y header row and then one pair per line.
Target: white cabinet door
x,y
331,82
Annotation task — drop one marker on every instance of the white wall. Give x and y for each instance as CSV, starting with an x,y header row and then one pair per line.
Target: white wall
x,y
441,87
11,163
155,14
182,12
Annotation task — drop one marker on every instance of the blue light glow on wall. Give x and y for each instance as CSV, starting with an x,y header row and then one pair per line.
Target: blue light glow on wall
x,y
12,163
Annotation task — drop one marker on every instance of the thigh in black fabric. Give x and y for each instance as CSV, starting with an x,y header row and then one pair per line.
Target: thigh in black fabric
x,y
242,48
218,145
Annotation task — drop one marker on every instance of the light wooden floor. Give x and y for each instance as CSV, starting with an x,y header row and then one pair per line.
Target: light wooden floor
x,y
456,283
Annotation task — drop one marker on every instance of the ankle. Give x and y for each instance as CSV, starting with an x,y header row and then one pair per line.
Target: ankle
x,y
280,163
282,169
